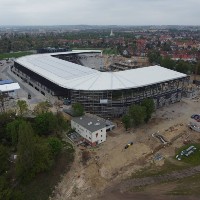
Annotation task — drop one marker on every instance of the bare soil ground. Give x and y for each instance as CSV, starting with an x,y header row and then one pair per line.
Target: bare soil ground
x,y
110,163
155,192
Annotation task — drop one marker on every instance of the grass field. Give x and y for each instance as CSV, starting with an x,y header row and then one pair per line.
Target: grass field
x,y
15,54
193,159
108,51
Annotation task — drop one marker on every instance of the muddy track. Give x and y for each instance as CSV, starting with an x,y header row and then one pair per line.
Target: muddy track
x,y
128,184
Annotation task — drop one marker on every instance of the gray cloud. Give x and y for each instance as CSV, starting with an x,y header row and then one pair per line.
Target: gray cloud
x,y
100,12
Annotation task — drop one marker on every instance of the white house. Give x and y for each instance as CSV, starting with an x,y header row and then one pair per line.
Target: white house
x,y
90,128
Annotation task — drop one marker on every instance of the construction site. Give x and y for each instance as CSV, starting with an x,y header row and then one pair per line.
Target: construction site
x,y
110,166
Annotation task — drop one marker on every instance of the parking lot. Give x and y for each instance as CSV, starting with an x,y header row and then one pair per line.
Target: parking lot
x,y
24,91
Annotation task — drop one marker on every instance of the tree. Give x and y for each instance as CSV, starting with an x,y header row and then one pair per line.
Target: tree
x,y
34,153
42,156
150,107
5,118
25,151
55,145
3,98
12,130
126,121
78,109
62,123
41,107
45,123
137,114
5,190
168,63
181,67
197,68
154,57
166,47
3,159
22,107
48,123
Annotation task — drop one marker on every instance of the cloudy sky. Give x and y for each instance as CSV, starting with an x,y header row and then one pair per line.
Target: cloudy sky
x,y
100,12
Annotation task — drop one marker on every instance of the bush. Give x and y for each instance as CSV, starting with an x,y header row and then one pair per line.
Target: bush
x,y
55,145
3,159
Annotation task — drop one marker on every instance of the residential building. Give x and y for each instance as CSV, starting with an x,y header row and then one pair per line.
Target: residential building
x,y
92,129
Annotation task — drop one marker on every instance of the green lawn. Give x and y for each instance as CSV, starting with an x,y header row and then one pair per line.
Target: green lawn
x,y
86,48
110,51
193,159
14,55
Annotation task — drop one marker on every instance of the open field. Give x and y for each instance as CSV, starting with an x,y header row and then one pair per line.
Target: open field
x,y
108,51
14,55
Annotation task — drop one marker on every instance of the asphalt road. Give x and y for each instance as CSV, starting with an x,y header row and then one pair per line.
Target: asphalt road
x,y
25,88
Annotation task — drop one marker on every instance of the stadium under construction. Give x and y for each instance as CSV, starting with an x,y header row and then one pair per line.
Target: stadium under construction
x,y
81,77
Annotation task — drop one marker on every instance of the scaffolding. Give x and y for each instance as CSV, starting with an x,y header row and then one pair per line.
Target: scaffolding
x,y
109,104
105,103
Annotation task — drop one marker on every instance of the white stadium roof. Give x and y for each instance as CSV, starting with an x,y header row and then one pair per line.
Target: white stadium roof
x,y
77,77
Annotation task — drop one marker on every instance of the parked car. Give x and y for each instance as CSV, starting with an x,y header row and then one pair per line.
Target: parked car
x,y
183,152
178,157
189,153
193,116
196,117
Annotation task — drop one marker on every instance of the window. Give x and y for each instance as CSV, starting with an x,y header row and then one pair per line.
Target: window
x,y
101,130
96,134
101,135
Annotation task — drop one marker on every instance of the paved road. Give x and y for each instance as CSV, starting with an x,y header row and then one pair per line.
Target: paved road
x,y
25,88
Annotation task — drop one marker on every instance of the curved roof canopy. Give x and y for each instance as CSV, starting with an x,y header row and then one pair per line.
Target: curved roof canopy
x,y
77,77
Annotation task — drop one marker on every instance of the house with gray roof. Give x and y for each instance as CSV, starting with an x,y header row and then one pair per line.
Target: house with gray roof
x,y
92,129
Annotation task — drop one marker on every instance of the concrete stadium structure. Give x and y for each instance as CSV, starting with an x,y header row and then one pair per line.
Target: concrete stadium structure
x,y
78,76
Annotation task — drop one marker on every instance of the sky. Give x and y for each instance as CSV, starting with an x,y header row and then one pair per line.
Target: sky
x,y
100,12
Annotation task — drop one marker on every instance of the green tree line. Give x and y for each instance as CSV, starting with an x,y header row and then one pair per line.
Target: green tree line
x,y
180,65
36,144
138,114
